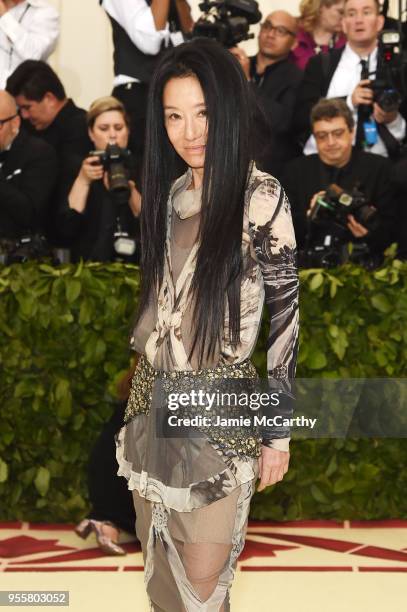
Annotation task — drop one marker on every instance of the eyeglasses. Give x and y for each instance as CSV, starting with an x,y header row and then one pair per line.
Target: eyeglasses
x,y
7,119
280,31
323,136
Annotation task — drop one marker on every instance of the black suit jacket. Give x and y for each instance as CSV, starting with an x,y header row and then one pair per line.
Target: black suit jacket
x,y
27,179
371,173
315,84
68,133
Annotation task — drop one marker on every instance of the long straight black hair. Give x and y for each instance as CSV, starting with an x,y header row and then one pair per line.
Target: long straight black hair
x,y
228,159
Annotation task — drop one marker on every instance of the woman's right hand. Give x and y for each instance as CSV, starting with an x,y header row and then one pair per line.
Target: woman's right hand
x,y
91,170
363,93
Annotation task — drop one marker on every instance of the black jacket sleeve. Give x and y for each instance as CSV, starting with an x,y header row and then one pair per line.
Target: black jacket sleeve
x,y
69,221
310,91
385,198
25,189
315,84
280,112
293,186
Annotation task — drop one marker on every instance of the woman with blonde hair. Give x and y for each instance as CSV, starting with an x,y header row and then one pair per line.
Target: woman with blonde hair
x,y
320,29
91,210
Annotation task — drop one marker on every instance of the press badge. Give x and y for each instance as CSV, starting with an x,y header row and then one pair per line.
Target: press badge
x,y
370,130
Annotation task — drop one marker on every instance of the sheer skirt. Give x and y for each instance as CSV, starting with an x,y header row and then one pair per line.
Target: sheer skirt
x,y
190,557
192,501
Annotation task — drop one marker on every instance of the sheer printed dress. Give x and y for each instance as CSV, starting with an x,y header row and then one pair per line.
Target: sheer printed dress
x,y
192,495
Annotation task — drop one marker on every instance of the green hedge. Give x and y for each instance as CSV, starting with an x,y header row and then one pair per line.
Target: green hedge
x,y
63,346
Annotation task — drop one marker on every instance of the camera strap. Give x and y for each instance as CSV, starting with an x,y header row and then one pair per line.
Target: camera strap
x,y
364,111
390,142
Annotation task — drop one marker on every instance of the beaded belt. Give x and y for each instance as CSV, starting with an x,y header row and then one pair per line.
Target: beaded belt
x,y
241,440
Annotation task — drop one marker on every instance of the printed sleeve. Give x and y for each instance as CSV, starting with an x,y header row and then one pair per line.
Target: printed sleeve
x,y
274,245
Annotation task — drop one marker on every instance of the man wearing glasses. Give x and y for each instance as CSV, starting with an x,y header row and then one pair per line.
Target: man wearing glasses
x,y
276,80
338,162
28,169
29,29
348,73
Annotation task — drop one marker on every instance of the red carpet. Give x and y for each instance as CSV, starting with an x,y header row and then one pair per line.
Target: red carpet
x,y
302,556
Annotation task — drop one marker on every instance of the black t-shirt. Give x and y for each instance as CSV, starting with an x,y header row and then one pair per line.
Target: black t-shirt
x,y
275,91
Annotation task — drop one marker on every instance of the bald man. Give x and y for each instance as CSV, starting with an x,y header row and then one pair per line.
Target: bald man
x,y
10,121
27,175
276,80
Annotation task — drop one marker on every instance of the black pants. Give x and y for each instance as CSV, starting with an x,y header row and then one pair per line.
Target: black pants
x,y
110,498
134,98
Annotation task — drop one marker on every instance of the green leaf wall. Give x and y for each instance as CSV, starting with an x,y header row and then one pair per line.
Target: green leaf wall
x,y
64,344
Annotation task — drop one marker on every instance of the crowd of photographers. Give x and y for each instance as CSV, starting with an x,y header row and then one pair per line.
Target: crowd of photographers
x,y
331,116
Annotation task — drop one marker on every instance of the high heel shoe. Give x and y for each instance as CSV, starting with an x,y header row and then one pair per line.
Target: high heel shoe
x,y
105,543
83,529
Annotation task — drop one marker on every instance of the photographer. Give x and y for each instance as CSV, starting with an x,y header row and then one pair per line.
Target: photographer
x,y
28,170
46,110
142,29
306,179
348,73
275,80
91,210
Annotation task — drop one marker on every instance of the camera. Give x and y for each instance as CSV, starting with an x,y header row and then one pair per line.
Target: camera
x,y
336,204
328,235
227,21
388,83
27,248
333,252
115,161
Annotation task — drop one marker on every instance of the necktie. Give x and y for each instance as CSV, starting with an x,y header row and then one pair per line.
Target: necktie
x,y
364,110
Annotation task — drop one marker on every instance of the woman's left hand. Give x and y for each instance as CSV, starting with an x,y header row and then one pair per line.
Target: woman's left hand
x,y
273,464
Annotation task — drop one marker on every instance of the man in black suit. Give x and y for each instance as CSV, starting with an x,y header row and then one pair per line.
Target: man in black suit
x,y
46,110
306,180
50,115
275,80
28,169
347,73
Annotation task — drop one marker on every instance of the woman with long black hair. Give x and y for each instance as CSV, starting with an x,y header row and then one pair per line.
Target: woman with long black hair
x,y
217,238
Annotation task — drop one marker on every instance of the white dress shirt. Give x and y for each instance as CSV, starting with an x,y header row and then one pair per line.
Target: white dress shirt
x,y
346,77
29,30
136,18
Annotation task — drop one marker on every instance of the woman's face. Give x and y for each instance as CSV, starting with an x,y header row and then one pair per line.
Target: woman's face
x,y
109,128
330,18
186,119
